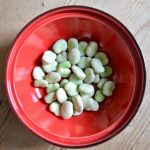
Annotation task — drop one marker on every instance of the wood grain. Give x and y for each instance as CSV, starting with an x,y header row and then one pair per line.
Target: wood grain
x,y
15,14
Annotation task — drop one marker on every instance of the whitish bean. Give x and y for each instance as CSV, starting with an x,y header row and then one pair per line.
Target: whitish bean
x,y
38,73
76,113
85,100
53,77
59,46
107,72
101,82
54,107
84,62
52,87
61,95
93,105
90,76
88,94
97,65
99,97
102,57
77,103
50,97
50,67
91,49
72,43
48,57
89,103
63,82
64,72
66,109
71,89
40,83
82,47
108,88
86,88
75,79
78,72
61,57
74,56
97,78
65,64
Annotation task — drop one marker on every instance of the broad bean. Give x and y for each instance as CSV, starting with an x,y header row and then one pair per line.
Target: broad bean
x,y
53,77
50,97
84,62
50,67
75,79
72,43
66,109
61,95
74,56
97,65
102,57
38,73
107,72
78,72
54,107
71,89
86,88
108,88
64,72
52,87
48,57
90,76
91,49
61,57
59,46
82,47
77,103
40,83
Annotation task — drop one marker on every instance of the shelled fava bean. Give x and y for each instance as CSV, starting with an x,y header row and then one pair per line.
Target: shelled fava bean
x,y
75,76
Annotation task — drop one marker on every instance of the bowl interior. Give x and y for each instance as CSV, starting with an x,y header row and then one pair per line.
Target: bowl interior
x,y
28,100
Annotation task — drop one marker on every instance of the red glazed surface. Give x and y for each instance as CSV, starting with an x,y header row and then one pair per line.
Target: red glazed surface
x,y
85,24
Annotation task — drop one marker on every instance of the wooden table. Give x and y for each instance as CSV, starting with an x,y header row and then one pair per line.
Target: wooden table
x,y
15,14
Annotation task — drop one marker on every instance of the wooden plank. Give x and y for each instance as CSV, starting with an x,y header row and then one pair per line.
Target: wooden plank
x,y
14,14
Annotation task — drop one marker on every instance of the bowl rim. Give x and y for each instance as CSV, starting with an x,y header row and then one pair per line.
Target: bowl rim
x,y
140,99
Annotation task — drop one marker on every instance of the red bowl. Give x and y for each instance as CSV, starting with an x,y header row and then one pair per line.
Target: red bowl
x,y
85,24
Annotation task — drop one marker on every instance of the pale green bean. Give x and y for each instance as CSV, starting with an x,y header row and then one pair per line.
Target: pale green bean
x,y
107,72
90,76
72,43
38,73
52,87
64,72
108,88
75,80
59,46
40,83
65,64
102,57
99,97
84,62
50,67
63,82
82,47
101,82
48,57
97,78
74,56
78,72
61,57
